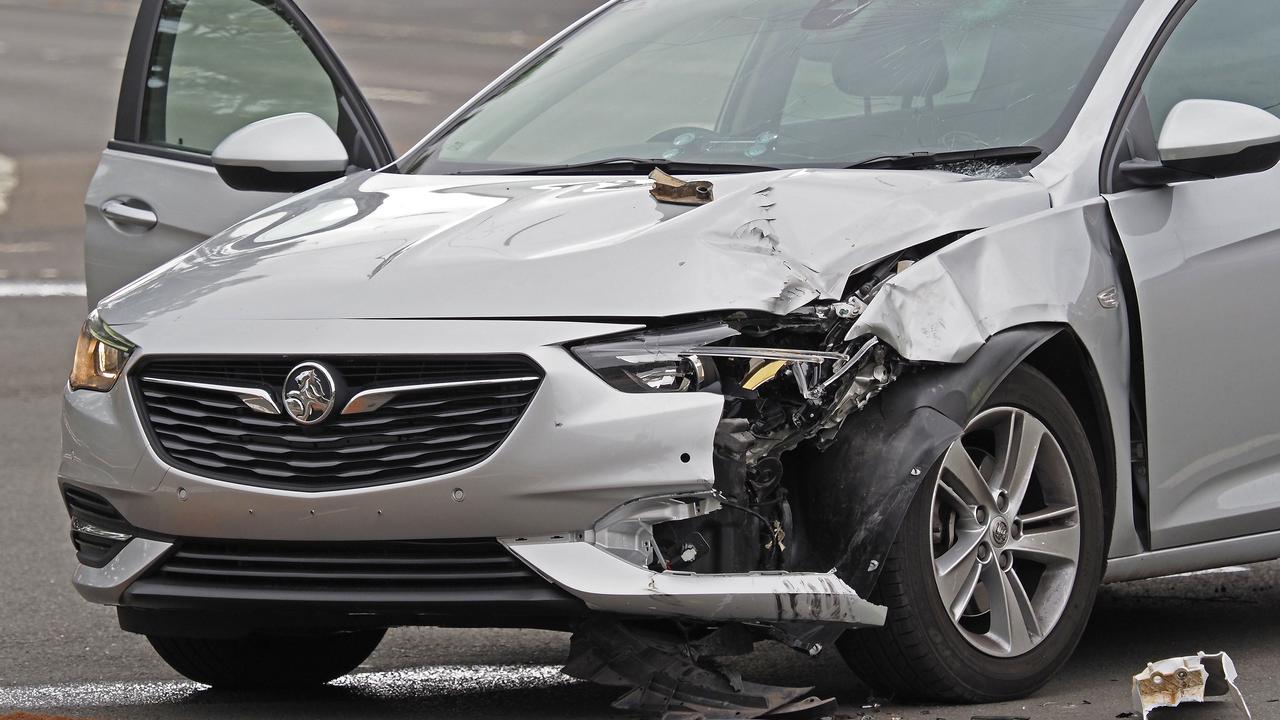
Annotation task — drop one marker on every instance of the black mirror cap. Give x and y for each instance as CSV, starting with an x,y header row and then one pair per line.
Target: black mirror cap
x,y
1153,173
256,179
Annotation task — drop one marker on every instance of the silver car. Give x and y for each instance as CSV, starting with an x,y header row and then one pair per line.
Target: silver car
x,y
894,327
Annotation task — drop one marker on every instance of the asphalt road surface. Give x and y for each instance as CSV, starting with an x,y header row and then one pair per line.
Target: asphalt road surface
x,y
416,59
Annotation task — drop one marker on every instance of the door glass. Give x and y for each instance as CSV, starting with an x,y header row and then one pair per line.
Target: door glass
x,y
1221,50
220,65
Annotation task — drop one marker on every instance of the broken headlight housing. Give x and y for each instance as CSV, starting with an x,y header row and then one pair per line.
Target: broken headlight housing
x,y
101,354
657,360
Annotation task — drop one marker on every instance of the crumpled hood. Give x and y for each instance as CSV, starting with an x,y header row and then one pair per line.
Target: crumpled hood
x,y
395,246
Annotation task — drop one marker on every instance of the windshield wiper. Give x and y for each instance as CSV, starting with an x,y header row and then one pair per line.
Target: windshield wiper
x,y
623,166
914,161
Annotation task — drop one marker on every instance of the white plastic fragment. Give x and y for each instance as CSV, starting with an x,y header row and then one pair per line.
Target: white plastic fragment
x,y
1197,678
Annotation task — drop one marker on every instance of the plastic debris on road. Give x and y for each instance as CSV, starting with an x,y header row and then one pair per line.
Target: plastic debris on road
x,y
1197,678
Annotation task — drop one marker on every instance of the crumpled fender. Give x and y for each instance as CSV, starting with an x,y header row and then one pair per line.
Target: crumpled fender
x,y
884,454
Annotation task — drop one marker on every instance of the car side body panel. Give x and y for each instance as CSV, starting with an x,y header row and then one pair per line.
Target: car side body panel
x,y
1204,263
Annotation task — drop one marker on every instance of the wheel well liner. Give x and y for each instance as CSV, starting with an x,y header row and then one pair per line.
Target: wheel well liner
x,y
854,496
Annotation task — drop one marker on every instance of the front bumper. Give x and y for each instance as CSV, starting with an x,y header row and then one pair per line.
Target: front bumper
x,y
581,450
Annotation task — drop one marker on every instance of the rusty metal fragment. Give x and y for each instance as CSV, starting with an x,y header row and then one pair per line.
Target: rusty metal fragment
x,y
1194,679
673,190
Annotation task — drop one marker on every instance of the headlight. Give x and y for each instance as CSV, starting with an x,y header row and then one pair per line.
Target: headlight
x,y
686,359
656,361
101,354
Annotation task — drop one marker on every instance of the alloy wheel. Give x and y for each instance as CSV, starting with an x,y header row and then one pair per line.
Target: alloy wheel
x,y
1005,532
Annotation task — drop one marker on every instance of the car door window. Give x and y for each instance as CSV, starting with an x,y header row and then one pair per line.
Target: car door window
x,y
219,65
1220,50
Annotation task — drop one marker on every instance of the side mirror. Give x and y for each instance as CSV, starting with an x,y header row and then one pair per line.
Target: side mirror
x,y
287,153
1205,139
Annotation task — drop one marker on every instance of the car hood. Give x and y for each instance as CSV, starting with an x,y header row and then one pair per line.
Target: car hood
x,y
381,245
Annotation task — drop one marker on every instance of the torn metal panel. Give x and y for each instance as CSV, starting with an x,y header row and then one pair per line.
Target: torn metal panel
x,y
609,584
1198,678
673,190
1049,267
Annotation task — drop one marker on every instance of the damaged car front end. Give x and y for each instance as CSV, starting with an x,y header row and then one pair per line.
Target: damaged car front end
x,y
842,333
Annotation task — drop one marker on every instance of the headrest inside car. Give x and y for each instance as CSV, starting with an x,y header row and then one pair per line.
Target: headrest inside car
x,y
898,62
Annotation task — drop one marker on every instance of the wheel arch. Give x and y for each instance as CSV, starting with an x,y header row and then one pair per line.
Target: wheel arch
x,y
1064,359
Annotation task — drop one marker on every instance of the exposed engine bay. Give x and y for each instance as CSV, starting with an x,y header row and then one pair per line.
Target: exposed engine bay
x,y
790,384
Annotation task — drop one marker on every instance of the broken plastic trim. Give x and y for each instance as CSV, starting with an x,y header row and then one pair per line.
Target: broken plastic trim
x,y
627,532
675,674
609,584
1198,678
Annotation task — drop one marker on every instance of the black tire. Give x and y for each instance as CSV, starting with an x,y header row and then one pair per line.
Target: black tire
x,y
920,653
267,662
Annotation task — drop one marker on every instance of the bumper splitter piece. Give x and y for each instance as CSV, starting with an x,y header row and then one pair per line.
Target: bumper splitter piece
x,y
608,584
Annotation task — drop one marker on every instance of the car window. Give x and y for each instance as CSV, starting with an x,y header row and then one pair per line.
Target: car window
x,y
220,65
1221,50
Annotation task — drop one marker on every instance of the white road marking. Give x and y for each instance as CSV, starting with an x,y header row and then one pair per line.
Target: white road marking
x,y
429,682
20,248
1213,571
40,289
8,180
396,95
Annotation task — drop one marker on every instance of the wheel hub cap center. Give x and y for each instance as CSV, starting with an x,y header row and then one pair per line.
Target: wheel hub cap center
x,y
1000,532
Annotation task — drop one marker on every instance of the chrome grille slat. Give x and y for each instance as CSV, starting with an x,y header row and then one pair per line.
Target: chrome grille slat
x,y
450,425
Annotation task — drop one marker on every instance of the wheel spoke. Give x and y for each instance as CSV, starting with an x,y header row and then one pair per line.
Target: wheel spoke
x,y
960,467
966,543
957,503
1061,544
1020,446
1013,619
1049,514
958,574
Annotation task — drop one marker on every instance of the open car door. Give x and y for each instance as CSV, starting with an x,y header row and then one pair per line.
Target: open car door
x,y
197,72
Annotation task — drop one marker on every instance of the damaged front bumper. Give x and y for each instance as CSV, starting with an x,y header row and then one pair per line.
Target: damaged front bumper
x,y
581,452
607,583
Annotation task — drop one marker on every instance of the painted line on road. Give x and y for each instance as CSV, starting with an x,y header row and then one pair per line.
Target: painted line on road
x,y
40,289
442,680
8,180
20,248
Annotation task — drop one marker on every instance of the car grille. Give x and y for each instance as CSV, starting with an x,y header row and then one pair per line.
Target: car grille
x,y
395,567
418,434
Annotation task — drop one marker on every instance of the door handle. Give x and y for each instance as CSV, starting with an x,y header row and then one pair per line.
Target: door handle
x,y
122,213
